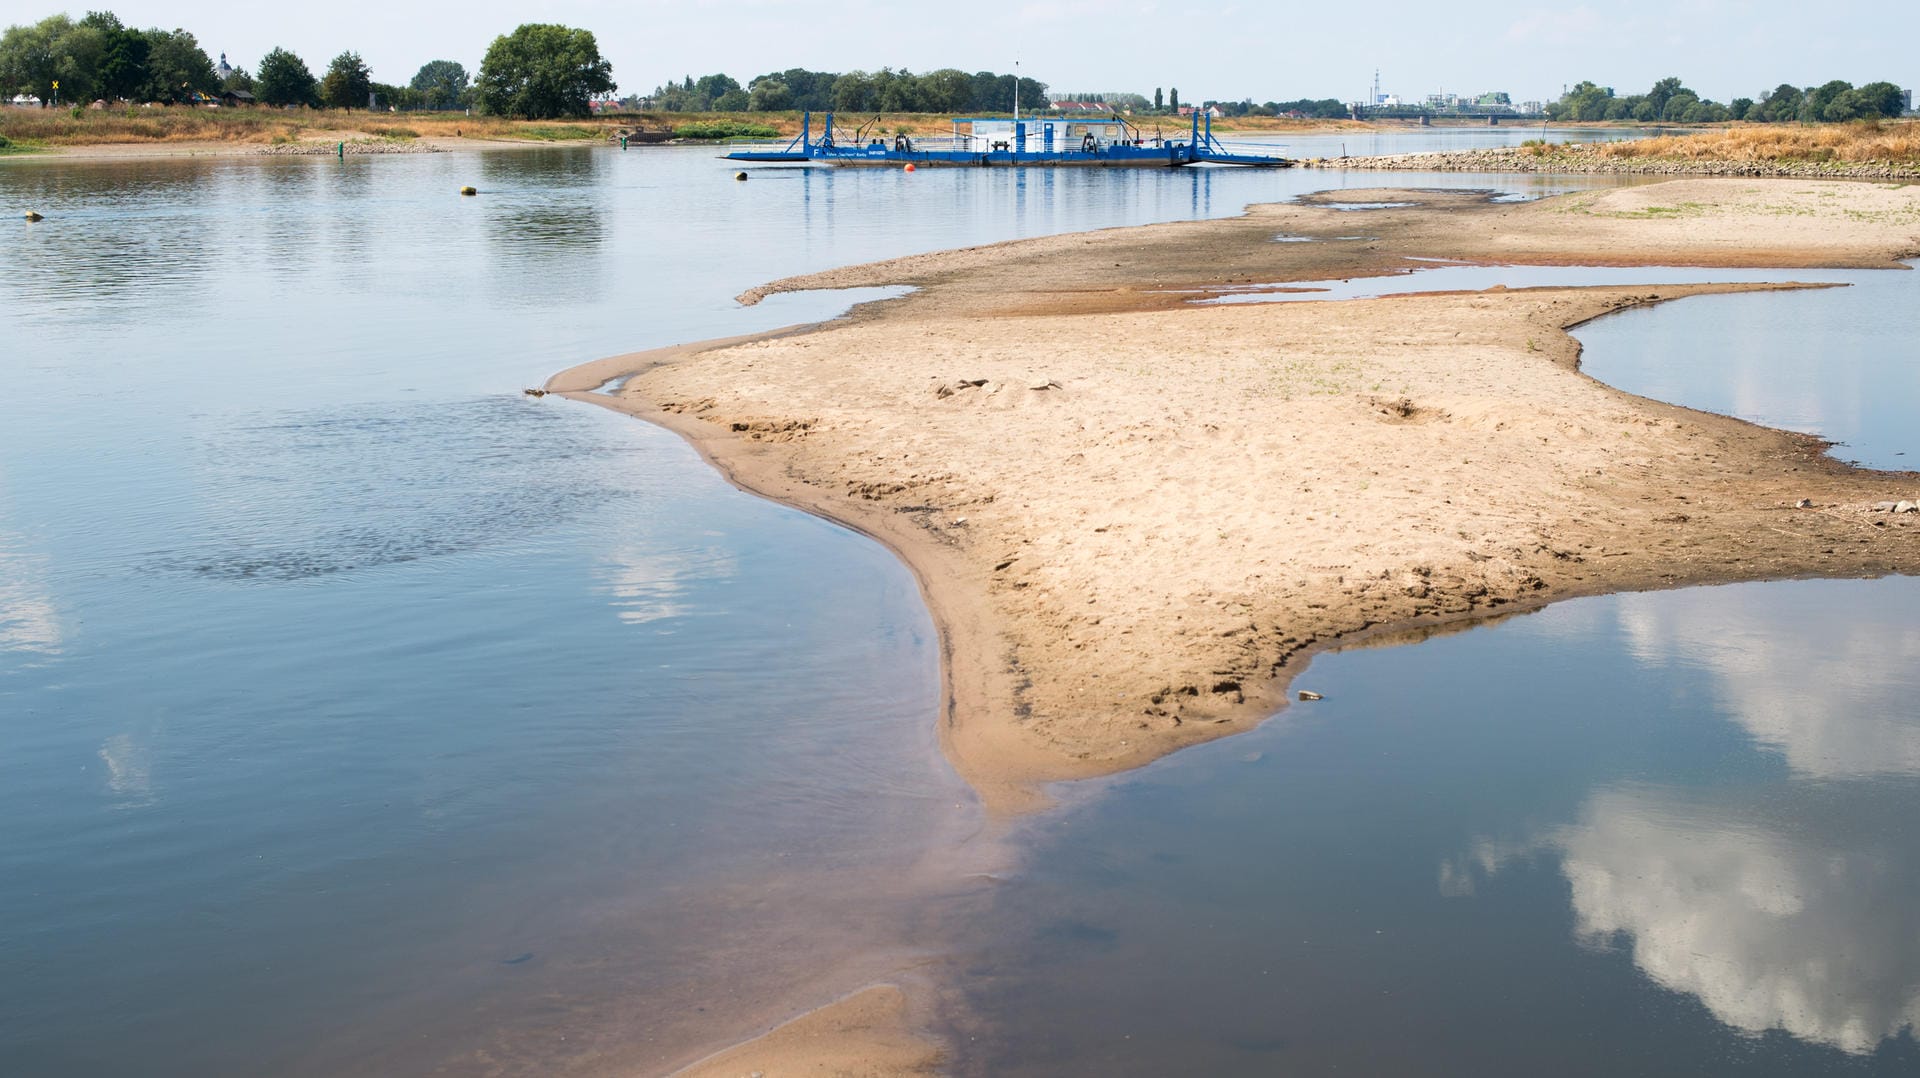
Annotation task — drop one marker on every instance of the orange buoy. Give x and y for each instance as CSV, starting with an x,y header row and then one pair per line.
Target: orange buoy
x,y
909,166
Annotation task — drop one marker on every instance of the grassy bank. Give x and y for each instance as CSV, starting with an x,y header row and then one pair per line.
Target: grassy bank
x,y
1866,150
1887,142
60,127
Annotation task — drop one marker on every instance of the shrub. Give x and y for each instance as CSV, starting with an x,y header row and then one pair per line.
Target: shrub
x,y
718,129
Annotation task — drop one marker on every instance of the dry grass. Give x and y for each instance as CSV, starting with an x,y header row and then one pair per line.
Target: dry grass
x,y
1895,142
59,127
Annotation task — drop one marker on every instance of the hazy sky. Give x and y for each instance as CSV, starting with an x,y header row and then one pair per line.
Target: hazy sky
x,y
1263,50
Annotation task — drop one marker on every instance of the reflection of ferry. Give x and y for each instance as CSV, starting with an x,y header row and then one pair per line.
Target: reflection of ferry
x,y
1103,142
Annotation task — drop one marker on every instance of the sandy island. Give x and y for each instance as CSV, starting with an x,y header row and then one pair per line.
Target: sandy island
x,y
1134,517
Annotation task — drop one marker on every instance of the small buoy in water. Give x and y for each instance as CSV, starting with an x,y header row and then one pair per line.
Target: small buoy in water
x,y
909,167
469,190
739,175
32,216
1307,695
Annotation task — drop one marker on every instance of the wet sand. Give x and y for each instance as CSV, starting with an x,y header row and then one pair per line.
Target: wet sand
x,y
1146,514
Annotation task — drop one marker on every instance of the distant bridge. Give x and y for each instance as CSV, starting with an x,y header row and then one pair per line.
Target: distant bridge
x,y
1427,116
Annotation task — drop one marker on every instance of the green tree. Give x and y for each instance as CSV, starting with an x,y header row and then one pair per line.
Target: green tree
x,y
1882,99
346,83
403,98
853,92
1586,101
1665,91
1813,107
78,54
123,56
541,71
1159,99
441,84
1780,105
1173,99
734,100
55,49
713,87
177,67
897,91
27,57
285,80
946,90
1675,110
770,95
1739,107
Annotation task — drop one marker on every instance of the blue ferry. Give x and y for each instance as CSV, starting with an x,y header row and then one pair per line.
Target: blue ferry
x,y
1099,142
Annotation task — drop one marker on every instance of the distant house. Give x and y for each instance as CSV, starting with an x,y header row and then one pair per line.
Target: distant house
x,y
234,98
1210,110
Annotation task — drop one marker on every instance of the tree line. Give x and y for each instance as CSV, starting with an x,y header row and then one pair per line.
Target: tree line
x,y
539,71
886,90
1671,102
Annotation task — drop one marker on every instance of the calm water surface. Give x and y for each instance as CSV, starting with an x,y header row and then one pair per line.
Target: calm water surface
x,y
1843,363
1641,834
360,714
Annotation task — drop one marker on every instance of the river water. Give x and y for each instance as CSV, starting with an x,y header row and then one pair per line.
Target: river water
x,y
359,714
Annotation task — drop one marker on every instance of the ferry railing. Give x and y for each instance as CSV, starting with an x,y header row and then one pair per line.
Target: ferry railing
x,y
1243,146
756,145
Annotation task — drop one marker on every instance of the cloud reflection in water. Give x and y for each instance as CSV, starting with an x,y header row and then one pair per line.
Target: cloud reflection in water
x,y
1775,916
1830,687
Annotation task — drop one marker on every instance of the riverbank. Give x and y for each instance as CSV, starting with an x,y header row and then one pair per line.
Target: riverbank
x,y
1134,517
151,132
1881,151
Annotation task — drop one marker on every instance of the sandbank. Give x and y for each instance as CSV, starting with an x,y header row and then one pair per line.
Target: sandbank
x,y
1133,518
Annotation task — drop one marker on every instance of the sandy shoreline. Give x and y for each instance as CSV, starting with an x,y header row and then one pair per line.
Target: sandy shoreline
x,y
1291,474
1134,519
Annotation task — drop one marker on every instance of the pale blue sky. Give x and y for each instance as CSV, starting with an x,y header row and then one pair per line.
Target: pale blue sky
x,y
1263,50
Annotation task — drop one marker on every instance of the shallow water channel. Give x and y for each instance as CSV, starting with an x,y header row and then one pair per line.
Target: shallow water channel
x,y
359,714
